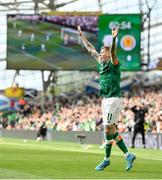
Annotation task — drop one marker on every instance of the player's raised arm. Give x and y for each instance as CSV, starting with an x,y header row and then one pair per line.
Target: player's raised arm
x,y
91,49
114,58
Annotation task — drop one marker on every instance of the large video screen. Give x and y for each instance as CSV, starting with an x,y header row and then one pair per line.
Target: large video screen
x,y
128,40
51,42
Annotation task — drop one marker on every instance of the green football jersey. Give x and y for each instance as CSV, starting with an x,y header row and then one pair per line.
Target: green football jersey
x,y
110,79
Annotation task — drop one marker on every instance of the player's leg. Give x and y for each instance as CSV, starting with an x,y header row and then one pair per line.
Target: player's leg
x,y
108,133
134,137
128,156
108,136
120,142
143,137
111,108
118,138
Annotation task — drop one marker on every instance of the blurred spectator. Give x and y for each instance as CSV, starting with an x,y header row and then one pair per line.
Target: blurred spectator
x,y
22,103
139,119
42,132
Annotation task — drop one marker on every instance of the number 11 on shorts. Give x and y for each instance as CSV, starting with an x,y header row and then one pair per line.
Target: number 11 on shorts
x,y
109,117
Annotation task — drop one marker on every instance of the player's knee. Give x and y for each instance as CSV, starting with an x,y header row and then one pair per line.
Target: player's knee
x,y
110,129
117,137
107,142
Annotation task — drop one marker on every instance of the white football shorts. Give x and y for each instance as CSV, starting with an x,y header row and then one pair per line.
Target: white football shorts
x,y
111,108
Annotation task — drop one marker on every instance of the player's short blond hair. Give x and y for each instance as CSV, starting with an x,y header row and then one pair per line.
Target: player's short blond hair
x,y
106,47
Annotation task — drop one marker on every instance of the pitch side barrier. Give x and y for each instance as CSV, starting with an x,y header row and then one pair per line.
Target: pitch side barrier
x,y
153,141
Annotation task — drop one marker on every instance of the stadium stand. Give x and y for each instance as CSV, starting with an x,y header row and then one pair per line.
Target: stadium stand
x,y
85,114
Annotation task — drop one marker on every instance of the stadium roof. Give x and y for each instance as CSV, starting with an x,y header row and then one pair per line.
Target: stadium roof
x,y
30,6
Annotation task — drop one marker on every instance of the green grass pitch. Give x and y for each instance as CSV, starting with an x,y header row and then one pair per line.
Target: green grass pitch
x,y
61,160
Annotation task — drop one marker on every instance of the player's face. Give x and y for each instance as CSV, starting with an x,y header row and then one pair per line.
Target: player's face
x,y
105,54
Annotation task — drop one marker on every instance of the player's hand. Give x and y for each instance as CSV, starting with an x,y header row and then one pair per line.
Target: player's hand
x,y
114,32
79,30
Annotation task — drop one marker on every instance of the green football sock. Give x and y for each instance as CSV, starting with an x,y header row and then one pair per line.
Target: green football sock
x,y
119,141
108,145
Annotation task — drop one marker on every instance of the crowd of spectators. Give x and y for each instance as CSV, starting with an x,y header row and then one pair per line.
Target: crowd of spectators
x,y
83,113
87,22
150,98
